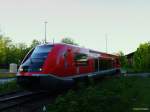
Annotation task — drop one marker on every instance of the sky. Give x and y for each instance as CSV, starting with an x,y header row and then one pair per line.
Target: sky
x,y
126,23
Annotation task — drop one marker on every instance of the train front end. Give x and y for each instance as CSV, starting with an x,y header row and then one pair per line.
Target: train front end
x,y
31,70
39,69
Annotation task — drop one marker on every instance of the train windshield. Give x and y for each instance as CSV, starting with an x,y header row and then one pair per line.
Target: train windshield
x,y
41,52
35,59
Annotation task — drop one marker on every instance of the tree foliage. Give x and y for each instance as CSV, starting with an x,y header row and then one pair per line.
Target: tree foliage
x,y
4,48
141,58
35,43
13,53
68,40
123,60
140,61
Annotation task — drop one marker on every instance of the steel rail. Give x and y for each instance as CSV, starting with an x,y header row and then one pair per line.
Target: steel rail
x,y
17,99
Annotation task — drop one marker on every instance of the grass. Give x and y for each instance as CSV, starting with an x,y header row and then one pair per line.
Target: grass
x,y
125,94
7,75
8,87
133,70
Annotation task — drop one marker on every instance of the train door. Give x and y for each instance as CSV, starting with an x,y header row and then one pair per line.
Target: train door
x,y
106,64
96,64
68,62
81,62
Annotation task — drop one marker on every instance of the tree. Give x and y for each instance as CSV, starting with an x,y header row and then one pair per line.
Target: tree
x,y
123,60
35,43
68,40
22,50
141,59
5,43
13,53
2,53
10,52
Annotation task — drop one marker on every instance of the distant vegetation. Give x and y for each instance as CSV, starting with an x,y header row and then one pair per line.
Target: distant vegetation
x,y
10,75
124,94
13,53
123,60
68,40
9,87
140,60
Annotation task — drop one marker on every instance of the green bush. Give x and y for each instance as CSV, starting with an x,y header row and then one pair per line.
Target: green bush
x,y
8,87
110,95
141,58
7,75
123,60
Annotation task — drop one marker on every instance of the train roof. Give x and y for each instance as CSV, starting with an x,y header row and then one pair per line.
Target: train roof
x,y
76,46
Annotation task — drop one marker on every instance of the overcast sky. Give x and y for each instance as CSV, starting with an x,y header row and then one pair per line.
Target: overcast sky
x,y
126,22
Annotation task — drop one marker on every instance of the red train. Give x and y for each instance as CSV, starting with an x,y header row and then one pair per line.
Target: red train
x,y
52,66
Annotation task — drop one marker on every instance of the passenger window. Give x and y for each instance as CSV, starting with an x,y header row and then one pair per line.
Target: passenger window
x,y
81,59
106,64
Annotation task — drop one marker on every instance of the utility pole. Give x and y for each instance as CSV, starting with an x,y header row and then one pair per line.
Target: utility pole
x,y
45,31
106,39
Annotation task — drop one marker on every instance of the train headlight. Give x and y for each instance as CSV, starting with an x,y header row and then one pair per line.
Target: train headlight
x,y
40,69
20,69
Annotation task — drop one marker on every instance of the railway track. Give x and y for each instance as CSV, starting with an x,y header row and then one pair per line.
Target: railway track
x,y
23,101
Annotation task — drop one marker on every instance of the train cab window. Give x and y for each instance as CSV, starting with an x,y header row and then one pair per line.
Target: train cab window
x,y
81,59
41,51
35,59
106,64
